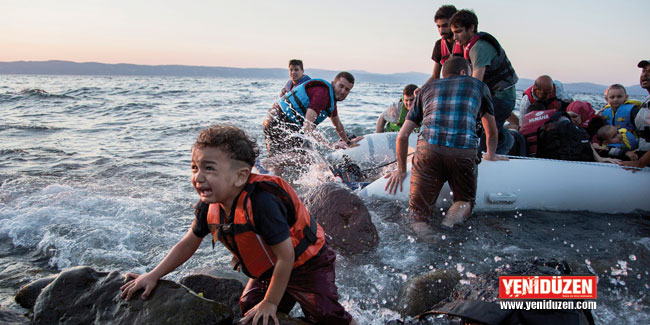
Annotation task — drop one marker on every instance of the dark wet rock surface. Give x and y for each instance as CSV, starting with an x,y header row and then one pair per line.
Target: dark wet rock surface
x,y
344,217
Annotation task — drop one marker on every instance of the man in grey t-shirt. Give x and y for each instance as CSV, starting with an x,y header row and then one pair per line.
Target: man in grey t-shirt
x,y
491,65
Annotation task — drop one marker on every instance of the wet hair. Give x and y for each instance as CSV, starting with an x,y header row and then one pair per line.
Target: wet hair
x,y
296,62
454,65
465,18
603,132
445,12
615,86
231,139
409,89
344,74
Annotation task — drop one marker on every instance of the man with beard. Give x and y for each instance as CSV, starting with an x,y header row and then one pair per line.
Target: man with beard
x,y
544,94
444,47
642,119
296,115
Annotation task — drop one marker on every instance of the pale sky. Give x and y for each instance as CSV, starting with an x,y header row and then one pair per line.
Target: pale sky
x,y
572,41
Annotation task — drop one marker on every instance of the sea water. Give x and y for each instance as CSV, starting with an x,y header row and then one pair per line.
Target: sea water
x,y
94,170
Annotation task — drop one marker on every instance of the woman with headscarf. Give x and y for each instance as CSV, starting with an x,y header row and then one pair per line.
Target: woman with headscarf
x,y
583,115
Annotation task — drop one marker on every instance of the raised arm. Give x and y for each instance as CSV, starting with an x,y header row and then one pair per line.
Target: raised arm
x,y
279,280
180,253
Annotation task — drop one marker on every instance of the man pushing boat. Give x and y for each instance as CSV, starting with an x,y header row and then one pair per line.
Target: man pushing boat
x,y
449,110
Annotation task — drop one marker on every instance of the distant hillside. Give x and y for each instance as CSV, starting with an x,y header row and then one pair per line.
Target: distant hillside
x,y
94,68
55,67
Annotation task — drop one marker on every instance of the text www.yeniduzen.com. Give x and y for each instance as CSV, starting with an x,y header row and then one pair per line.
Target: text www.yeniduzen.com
x,y
547,304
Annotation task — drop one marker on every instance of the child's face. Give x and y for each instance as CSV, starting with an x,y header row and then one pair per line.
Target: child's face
x,y
613,136
213,177
616,97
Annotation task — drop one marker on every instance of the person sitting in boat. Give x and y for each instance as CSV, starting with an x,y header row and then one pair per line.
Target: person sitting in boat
x,y
544,94
563,137
617,143
491,65
297,76
392,119
449,110
620,111
642,121
262,222
583,115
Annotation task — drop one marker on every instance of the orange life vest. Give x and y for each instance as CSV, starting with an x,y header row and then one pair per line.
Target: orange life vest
x,y
239,235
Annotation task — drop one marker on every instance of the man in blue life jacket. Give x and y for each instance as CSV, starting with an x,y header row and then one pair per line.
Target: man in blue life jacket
x,y
642,120
297,76
295,115
491,65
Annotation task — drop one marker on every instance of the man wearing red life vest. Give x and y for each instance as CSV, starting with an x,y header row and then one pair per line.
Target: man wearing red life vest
x,y
543,95
261,220
491,65
444,47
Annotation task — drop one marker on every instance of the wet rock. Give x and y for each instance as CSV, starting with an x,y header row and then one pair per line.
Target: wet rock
x,y
225,291
344,217
11,317
82,295
26,296
424,291
477,298
485,287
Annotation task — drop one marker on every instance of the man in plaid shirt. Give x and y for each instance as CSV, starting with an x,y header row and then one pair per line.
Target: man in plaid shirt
x,y
449,110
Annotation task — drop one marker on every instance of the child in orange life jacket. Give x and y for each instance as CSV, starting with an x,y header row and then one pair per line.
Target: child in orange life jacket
x,y
617,143
261,220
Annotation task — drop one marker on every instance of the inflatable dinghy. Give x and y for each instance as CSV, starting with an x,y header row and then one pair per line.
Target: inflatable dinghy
x,y
545,184
375,149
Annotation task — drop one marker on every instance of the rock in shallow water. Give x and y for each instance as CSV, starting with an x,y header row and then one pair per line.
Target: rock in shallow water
x,y
344,217
226,291
82,295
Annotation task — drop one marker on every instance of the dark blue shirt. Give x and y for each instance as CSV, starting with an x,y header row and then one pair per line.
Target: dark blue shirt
x,y
269,216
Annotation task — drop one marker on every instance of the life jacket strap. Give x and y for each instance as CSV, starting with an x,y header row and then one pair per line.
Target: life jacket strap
x,y
310,237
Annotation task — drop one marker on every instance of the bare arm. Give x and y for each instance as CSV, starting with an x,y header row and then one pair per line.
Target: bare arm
x,y
514,121
279,280
490,127
479,73
396,177
340,130
642,162
379,128
309,126
437,68
180,253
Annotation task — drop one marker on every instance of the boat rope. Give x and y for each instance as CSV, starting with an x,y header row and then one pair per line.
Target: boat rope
x,y
592,163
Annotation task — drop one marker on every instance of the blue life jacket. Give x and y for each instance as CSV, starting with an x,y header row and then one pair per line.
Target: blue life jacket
x,y
623,117
295,103
629,140
289,84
